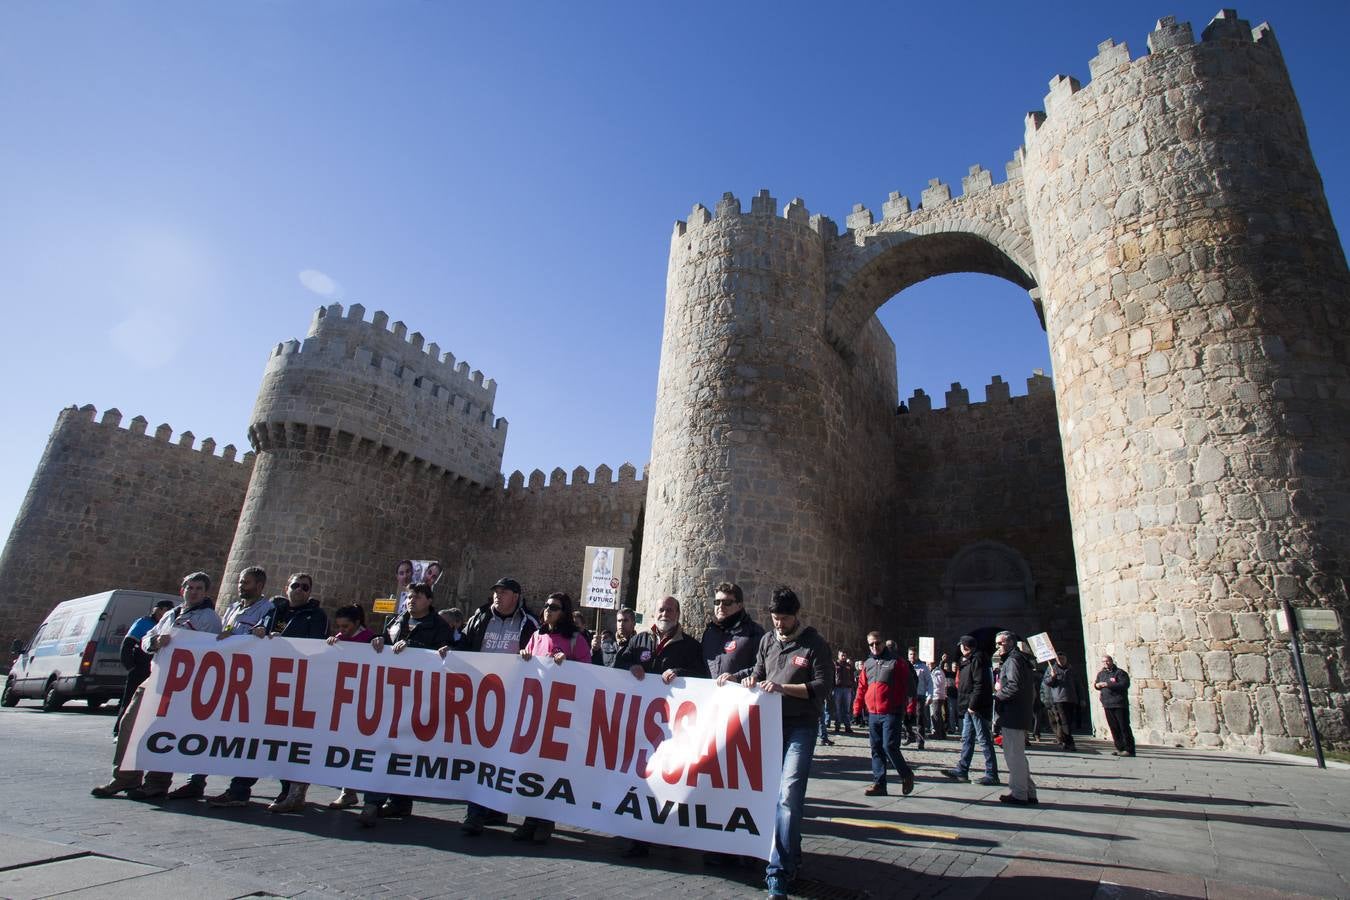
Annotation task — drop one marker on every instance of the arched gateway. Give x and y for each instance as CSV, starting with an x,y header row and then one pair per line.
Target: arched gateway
x,y
1170,223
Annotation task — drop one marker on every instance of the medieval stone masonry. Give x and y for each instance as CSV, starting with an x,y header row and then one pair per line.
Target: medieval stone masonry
x,y
1184,475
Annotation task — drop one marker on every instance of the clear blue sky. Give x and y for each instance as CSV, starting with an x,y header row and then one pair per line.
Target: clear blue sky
x,y
501,177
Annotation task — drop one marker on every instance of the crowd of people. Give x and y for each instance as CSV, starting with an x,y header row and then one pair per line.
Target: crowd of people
x,y
895,700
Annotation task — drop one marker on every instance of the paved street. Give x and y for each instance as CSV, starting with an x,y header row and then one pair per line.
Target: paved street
x,y
1170,823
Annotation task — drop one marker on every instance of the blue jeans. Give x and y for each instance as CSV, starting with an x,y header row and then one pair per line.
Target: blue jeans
x,y
843,707
825,722
799,746
885,732
975,728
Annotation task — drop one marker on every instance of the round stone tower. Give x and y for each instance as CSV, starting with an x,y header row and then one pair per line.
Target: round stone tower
x,y
757,416
365,440
1198,304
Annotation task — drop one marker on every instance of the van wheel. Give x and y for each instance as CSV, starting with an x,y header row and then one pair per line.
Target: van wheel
x,y
9,698
52,701
95,702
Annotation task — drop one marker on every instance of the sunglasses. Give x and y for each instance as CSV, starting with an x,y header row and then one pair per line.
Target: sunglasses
x,y
300,587
552,607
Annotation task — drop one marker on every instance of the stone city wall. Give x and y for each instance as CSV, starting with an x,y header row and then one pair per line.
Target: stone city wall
x,y
112,507
973,473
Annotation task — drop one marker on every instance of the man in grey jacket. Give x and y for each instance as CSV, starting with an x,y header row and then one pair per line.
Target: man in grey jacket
x,y
1014,700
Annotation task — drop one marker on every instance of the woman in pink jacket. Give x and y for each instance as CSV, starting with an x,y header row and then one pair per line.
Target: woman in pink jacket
x,y
559,639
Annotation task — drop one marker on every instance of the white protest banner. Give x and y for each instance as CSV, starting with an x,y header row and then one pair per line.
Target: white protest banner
x,y
927,649
603,581
690,763
1041,646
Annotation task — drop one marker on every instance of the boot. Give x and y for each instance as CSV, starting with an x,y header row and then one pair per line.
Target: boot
x,y
294,801
369,815
119,784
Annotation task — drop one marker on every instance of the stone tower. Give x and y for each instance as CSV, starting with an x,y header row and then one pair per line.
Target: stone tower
x,y
1198,308
1171,228
743,485
370,448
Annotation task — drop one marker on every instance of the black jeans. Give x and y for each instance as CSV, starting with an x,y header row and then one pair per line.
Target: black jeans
x,y
1118,720
1061,716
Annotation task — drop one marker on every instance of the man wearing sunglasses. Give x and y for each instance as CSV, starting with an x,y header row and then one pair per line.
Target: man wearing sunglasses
x,y
297,615
883,686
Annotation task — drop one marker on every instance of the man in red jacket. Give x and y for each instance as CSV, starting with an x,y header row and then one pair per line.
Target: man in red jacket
x,y
883,686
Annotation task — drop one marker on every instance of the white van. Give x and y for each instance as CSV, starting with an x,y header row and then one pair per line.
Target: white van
x,y
76,652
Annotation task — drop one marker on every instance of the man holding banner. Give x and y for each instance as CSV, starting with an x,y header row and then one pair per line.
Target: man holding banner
x,y
794,661
502,625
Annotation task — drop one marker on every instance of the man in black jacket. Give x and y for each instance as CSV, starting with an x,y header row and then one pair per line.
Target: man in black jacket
x,y
605,650
731,638
296,615
975,701
1114,684
1062,697
502,625
1015,691
667,651
792,660
419,627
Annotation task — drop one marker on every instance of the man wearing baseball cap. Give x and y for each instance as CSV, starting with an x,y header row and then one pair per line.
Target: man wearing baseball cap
x,y
502,625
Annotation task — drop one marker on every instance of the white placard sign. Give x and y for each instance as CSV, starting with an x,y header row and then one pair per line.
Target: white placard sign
x,y
602,583
690,764
927,649
1041,646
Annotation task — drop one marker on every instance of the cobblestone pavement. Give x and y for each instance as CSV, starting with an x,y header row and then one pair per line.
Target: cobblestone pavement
x,y
1170,823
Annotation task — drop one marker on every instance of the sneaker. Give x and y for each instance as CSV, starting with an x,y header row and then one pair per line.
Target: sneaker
x,y
955,775
193,790
907,785
286,805
392,810
1015,801
920,743
524,832
827,742
472,825
345,800
369,815
227,801
989,781
876,790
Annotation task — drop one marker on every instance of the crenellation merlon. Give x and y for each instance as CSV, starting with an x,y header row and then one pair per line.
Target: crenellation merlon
x,y
896,205
979,179
1062,87
936,194
1111,57
860,217
1226,26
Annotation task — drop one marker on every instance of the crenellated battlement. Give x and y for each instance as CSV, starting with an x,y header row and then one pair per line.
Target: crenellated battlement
x,y
763,207
580,478
997,396
384,348
897,212
1113,61
112,418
